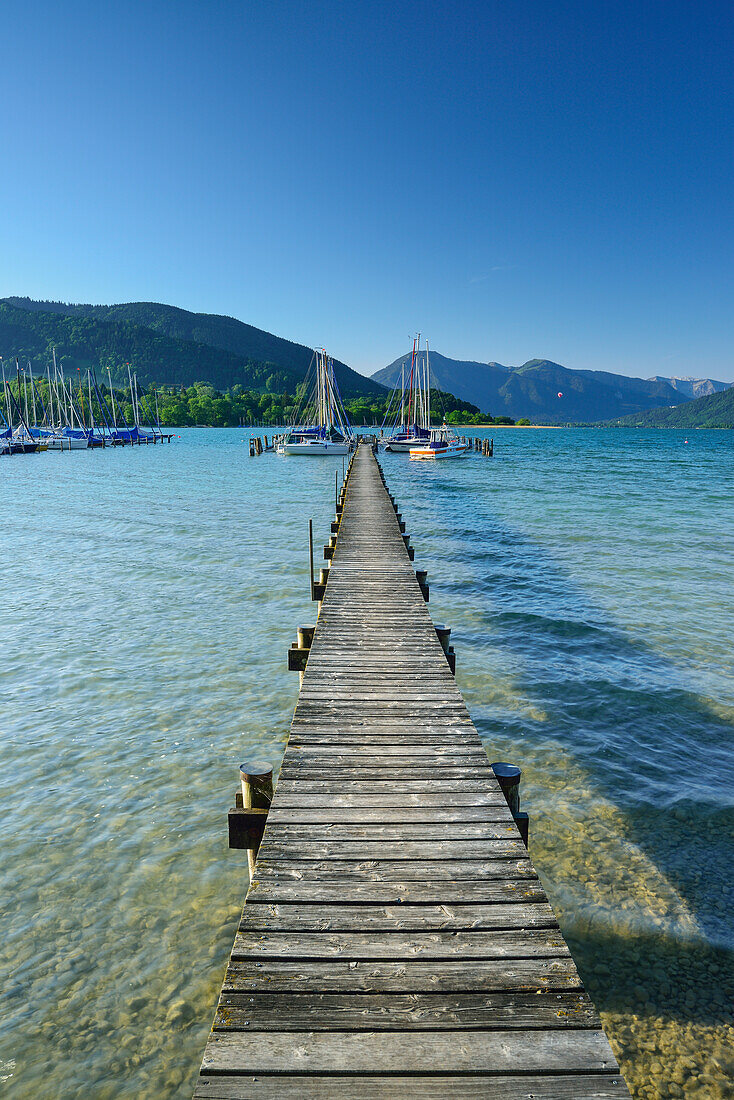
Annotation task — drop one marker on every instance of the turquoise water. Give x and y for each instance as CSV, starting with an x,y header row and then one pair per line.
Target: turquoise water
x,y
148,597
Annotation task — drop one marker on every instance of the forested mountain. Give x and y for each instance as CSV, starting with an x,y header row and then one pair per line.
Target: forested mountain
x,y
542,391
164,344
715,410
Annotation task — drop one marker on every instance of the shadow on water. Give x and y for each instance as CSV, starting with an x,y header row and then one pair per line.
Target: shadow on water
x,y
629,782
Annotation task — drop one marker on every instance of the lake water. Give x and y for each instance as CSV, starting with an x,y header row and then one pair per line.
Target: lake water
x,y
147,600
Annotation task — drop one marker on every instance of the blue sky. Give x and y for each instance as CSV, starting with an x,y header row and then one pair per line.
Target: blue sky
x,y
516,179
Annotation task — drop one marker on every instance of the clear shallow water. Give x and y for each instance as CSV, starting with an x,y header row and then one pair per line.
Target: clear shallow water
x,y
148,598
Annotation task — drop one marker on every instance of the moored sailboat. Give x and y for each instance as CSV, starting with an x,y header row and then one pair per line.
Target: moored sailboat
x,y
411,424
324,427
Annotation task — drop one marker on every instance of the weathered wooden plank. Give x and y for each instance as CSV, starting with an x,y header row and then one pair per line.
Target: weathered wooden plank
x,y
393,870
439,1087
336,834
499,1052
395,776
377,811
484,787
544,943
395,918
350,891
443,849
373,796
375,1011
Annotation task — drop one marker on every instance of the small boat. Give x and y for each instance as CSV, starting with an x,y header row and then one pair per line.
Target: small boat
x,y
329,432
444,443
18,445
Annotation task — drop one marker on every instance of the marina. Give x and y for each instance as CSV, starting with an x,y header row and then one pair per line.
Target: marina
x,y
70,419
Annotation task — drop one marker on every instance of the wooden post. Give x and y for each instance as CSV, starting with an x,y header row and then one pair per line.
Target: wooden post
x,y
256,777
421,575
310,551
508,777
336,488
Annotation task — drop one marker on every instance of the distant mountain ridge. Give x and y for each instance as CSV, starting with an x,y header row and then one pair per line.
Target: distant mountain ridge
x,y
694,387
714,410
165,344
543,391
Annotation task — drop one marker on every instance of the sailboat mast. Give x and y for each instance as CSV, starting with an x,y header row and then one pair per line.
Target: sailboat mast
x,y
410,385
428,391
5,394
112,395
132,395
33,395
25,394
89,386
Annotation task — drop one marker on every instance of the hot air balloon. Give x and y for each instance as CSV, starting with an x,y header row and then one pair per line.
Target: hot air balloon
x,y
560,395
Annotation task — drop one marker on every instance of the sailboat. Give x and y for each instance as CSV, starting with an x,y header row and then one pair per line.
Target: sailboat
x,y
329,430
63,428
18,440
411,425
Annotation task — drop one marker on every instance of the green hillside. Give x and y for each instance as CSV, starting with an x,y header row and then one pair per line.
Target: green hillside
x,y
164,344
716,410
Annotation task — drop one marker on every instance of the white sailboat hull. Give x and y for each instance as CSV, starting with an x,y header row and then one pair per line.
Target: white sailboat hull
x,y
320,447
64,443
405,447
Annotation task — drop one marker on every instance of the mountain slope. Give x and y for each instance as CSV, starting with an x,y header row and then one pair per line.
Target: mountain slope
x,y
541,390
475,382
243,354
714,410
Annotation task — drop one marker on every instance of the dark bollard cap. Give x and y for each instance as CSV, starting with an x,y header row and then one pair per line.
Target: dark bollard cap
x,y
507,771
255,767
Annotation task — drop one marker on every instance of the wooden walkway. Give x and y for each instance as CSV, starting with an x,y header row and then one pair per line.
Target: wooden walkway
x,y
396,940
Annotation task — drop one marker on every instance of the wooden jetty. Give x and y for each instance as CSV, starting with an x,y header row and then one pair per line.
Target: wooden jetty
x,y
396,940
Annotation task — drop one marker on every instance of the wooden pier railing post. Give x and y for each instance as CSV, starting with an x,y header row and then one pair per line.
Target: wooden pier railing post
x,y
256,778
508,777
310,551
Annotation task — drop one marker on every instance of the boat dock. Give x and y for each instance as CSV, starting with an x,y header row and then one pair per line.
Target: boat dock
x,y
396,940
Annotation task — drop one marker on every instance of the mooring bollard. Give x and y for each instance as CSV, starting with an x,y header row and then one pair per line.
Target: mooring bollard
x,y
310,552
330,547
444,636
508,777
256,780
298,653
421,575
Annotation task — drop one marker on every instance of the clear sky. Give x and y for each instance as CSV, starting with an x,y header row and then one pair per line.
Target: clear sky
x,y
515,179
